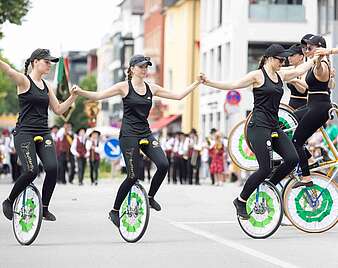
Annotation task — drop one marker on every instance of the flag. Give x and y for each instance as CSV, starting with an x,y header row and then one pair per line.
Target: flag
x,y
62,91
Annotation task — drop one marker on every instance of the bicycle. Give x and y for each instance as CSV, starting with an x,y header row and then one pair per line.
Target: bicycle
x,y
135,211
27,213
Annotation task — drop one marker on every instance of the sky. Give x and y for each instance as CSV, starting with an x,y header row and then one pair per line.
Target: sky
x,y
59,25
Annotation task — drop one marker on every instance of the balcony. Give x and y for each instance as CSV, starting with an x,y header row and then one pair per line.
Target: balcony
x,y
276,13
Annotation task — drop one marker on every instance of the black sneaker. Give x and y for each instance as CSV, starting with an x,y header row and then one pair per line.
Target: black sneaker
x,y
241,209
7,209
153,204
302,183
114,216
47,216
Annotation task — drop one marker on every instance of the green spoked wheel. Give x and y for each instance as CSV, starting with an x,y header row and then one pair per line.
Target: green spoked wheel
x,y
27,216
313,209
266,212
134,214
239,151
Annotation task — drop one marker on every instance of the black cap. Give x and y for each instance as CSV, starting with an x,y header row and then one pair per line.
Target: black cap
x,y
305,38
276,50
42,53
317,40
139,60
295,49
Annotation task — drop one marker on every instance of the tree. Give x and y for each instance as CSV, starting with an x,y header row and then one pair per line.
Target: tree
x,y
79,117
8,95
13,11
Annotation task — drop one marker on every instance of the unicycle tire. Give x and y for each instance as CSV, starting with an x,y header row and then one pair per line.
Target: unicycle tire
x,y
316,218
135,216
266,217
27,216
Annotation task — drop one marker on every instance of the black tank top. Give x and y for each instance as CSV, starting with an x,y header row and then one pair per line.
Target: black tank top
x,y
136,109
315,85
33,115
295,92
266,102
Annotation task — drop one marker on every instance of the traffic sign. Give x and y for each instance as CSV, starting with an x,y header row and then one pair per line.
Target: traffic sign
x,y
233,97
112,149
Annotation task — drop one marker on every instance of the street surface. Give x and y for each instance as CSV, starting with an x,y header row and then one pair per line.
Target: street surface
x,y
197,227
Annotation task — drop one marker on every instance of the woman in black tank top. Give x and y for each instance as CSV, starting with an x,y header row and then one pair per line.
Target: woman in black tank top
x,y
137,101
319,103
35,96
267,84
298,88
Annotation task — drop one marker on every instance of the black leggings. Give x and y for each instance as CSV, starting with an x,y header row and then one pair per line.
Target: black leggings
x,y
27,150
315,116
297,103
258,137
131,152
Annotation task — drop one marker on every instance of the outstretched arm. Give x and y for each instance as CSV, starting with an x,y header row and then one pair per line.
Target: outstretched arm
x,y
19,79
248,80
114,90
163,93
59,108
299,84
288,75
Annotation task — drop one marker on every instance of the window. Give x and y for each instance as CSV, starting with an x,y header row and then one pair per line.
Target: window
x,y
220,11
323,16
203,125
218,120
211,120
219,63
170,79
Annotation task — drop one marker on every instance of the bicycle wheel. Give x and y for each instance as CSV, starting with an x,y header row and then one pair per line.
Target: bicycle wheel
x,y
239,151
134,214
313,209
265,210
27,216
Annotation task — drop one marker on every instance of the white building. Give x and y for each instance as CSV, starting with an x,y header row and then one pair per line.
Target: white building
x,y
234,35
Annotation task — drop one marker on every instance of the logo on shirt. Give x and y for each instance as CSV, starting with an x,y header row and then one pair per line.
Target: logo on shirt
x,y
149,98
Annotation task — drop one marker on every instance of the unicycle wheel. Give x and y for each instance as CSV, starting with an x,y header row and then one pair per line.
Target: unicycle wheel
x,y
265,210
312,209
134,214
27,216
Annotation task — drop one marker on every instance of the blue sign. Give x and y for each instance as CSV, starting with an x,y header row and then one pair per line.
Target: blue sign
x,y
112,149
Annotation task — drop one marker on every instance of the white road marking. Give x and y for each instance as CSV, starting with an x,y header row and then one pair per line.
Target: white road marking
x,y
234,245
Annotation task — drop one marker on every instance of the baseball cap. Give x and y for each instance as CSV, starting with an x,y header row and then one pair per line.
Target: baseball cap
x,y
42,53
305,38
276,50
317,40
295,49
139,60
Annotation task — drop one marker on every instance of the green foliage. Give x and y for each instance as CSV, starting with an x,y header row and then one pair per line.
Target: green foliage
x,y
8,94
13,11
79,117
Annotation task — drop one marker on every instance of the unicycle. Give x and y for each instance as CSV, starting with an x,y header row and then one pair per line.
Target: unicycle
x,y
27,215
134,214
313,209
265,209
27,212
135,210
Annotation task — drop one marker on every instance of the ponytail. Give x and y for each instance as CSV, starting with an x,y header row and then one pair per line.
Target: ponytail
x,y
27,62
129,73
262,62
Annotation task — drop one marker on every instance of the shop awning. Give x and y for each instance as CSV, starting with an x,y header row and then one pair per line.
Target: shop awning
x,y
163,122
